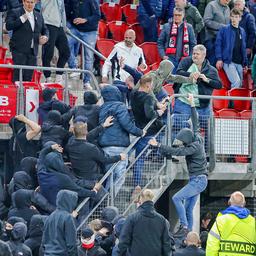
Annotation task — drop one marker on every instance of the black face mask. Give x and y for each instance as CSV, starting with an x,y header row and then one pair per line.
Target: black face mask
x,y
8,233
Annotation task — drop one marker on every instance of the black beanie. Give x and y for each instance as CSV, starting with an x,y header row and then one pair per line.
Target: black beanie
x,y
48,93
54,117
90,97
87,233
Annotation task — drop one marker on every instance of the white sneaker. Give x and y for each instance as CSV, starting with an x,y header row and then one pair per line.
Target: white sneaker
x,y
48,80
59,79
74,74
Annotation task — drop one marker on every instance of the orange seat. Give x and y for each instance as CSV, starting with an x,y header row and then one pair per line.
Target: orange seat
x,y
111,11
224,79
228,113
219,104
103,29
117,29
150,52
139,33
105,46
130,13
240,105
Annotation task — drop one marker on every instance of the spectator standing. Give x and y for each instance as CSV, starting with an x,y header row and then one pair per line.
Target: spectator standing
x,y
145,232
192,242
29,31
192,147
55,19
59,237
205,80
234,230
177,39
202,5
85,25
247,22
192,15
132,54
115,139
216,16
231,50
148,13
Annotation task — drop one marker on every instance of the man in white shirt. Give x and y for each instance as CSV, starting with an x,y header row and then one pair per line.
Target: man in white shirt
x,y
28,32
132,54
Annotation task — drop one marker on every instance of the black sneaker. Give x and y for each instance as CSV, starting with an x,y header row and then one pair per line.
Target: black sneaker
x,y
181,232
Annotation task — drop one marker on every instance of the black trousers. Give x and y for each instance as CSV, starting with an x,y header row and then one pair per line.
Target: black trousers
x,y
58,38
28,59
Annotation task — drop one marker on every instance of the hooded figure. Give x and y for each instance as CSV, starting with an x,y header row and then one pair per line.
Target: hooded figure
x,y
19,146
118,134
22,205
28,165
53,177
109,213
18,235
9,226
59,237
35,233
88,246
4,247
52,129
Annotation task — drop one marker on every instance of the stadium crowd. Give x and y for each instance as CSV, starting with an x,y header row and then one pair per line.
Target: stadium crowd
x,y
48,177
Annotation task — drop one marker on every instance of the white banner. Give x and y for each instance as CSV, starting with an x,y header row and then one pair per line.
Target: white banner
x,y
32,103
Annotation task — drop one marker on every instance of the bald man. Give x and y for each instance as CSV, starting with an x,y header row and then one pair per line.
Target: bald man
x,y
193,243
132,54
233,232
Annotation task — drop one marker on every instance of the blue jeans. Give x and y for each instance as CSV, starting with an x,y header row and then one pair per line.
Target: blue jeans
x,y
175,62
89,38
138,166
210,46
185,199
181,114
119,170
234,73
149,26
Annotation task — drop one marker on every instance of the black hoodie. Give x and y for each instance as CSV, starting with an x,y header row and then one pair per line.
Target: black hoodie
x,y
145,232
28,165
59,237
35,233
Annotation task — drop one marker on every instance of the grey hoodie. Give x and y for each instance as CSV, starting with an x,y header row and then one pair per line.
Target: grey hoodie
x,y
59,236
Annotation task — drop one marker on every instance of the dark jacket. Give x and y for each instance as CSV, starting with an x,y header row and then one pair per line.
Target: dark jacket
x,y
117,134
191,250
86,159
88,9
248,24
193,148
28,165
203,87
5,249
52,179
225,43
150,7
22,203
164,39
59,237
19,42
144,109
145,232
95,251
35,233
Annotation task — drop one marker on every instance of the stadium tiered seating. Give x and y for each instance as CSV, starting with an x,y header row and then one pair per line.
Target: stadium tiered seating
x,y
130,13
103,29
240,105
224,79
228,113
111,11
105,46
117,29
151,53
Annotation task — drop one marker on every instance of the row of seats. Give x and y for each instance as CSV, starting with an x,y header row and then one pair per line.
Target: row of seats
x,y
114,12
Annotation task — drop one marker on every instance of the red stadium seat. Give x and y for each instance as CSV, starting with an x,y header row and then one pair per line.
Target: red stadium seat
x,y
117,29
150,52
103,29
6,74
154,66
36,76
246,114
105,46
125,2
130,13
247,80
219,104
111,11
240,105
228,113
139,33
224,79
2,52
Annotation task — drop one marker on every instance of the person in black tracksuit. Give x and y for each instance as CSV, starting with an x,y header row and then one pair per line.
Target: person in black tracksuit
x,y
191,145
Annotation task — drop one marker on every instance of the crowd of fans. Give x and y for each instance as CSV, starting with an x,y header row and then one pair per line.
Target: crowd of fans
x,y
48,177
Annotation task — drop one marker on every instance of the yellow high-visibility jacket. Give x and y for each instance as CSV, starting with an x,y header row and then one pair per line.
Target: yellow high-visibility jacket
x,y
232,236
